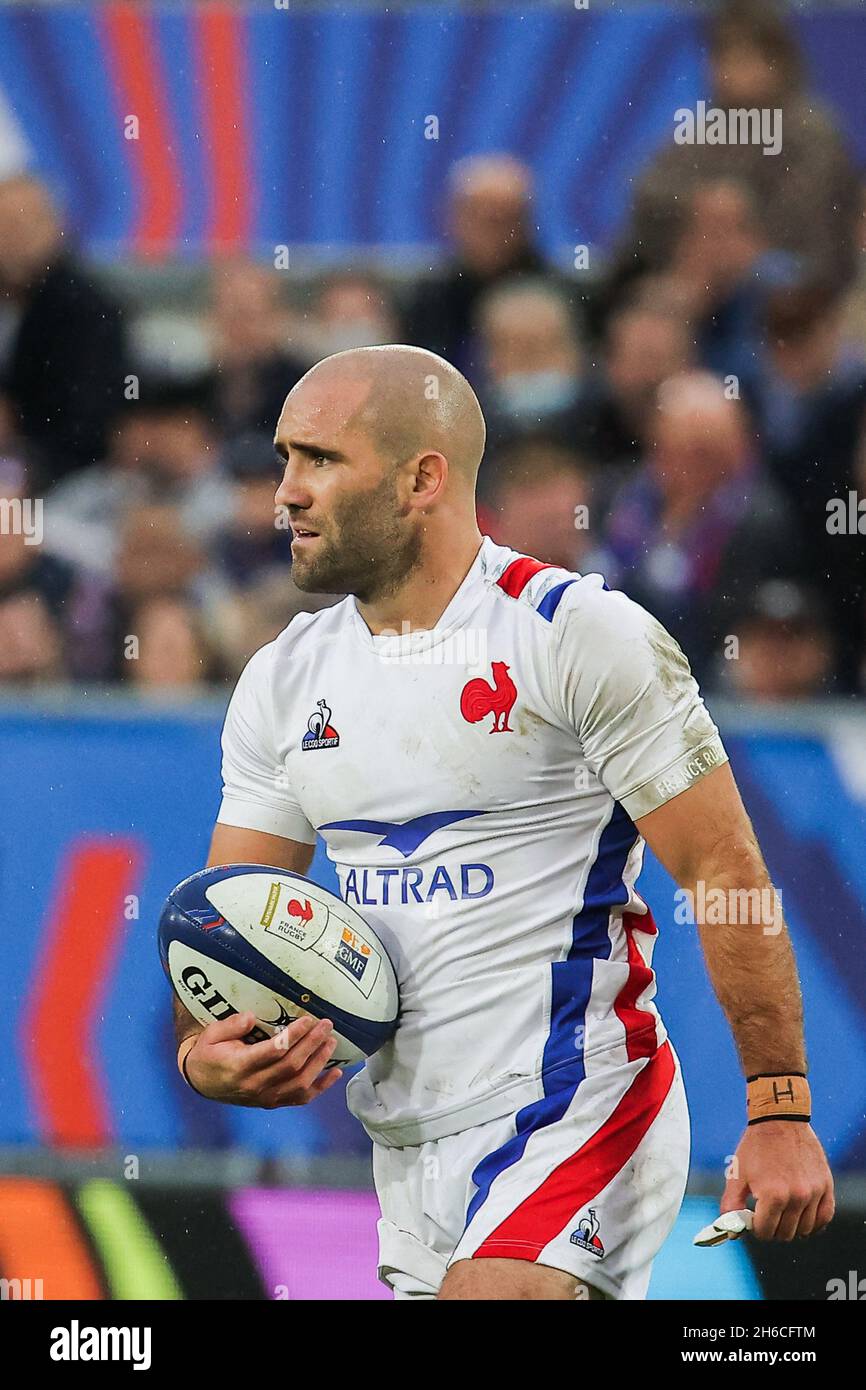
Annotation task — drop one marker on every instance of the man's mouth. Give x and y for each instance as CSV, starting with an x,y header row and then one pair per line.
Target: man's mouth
x,y
301,533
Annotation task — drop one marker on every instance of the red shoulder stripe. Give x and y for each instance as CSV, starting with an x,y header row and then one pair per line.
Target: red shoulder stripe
x,y
516,576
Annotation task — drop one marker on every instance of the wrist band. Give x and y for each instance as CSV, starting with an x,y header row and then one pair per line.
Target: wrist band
x,y
781,1095
182,1054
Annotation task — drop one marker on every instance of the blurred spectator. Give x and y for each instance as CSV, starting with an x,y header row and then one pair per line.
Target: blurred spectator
x,y
533,363
254,367
351,310
807,194
252,616
716,274
646,341
163,448
253,544
490,225
157,559
700,528
804,376
540,503
50,614
174,653
66,360
784,645
809,399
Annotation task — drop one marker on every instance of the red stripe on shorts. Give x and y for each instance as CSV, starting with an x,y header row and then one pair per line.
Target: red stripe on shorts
x,y
542,1215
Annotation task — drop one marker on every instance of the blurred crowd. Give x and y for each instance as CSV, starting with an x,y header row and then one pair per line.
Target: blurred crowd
x,y
680,417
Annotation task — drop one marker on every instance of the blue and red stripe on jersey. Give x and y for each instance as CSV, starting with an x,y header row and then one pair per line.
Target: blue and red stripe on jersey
x,y
563,1063
515,577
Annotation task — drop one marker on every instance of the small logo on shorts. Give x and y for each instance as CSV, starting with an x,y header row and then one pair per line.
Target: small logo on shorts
x,y
586,1235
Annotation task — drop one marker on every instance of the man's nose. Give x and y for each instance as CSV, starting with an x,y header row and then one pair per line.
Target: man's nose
x,y
292,490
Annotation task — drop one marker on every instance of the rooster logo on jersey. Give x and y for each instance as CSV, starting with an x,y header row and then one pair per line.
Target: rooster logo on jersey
x,y
478,699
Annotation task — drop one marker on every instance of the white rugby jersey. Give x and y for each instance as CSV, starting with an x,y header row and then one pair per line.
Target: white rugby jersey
x,y
476,787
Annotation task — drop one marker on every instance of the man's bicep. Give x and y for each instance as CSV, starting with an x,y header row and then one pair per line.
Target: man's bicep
x,y
704,826
232,844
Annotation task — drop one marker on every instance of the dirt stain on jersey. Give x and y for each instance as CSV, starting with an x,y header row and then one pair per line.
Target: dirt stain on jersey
x,y
668,659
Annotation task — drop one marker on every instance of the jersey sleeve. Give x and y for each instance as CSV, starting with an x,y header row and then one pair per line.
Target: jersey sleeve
x,y
256,792
631,698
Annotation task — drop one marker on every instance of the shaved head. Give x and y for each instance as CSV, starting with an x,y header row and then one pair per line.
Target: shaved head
x,y
388,442
407,401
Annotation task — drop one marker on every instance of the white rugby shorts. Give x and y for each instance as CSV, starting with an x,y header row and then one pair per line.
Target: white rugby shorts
x,y
588,1180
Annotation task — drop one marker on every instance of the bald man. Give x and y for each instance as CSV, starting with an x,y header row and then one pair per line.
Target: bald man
x,y
504,737
490,226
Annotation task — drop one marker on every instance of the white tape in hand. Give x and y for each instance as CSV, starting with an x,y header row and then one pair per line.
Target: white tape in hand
x,y
730,1226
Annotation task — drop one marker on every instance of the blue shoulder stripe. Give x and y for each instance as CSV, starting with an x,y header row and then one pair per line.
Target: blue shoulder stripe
x,y
552,600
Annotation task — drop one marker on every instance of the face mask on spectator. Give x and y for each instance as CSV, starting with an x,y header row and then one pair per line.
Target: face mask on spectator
x,y
351,333
536,393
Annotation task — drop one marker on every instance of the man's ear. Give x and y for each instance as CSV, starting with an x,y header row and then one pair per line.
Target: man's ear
x,y
430,477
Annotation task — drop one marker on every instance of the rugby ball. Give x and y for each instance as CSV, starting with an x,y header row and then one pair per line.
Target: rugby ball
x,y
241,937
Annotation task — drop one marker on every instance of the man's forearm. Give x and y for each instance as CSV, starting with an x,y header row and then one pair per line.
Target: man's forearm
x,y
752,968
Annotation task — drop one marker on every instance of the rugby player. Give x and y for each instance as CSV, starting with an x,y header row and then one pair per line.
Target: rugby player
x,y
494,741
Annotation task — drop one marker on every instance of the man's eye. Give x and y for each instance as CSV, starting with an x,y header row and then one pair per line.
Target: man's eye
x,y
319,459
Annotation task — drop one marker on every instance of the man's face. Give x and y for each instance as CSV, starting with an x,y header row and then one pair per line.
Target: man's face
x,y
353,531
542,520
695,450
644,350
743,76
488,223
528,336
28,227
179,446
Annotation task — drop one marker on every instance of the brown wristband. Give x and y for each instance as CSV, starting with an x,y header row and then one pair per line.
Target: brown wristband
x,y
778,1096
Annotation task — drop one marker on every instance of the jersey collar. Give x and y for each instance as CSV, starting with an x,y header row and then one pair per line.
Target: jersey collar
x,y
407,644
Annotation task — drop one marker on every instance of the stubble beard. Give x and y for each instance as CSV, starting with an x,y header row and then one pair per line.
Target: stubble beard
x,y
370,553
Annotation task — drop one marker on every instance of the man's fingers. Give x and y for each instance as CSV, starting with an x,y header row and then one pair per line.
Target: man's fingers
x,y
325,1082
317,1062
783,1215
826,1209
793,1211
293,1045
735,1196
292,1073
806,1224
225,1029
768,1213
293,1093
